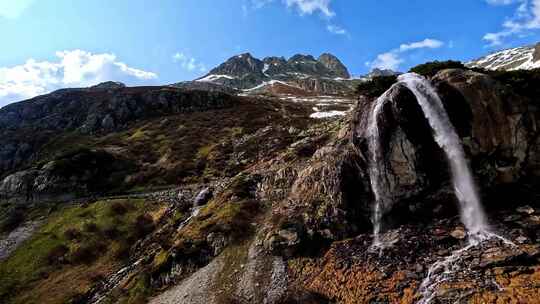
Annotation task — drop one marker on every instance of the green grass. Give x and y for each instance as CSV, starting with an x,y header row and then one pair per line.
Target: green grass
x,y
26,275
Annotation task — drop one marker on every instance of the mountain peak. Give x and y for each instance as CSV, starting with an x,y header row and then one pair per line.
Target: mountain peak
x,y
245,56
301,58
238,66
109,85
376,72
332,63
243,71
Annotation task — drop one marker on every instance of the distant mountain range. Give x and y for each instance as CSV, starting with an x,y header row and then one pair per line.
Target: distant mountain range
x,y
520,58
300,73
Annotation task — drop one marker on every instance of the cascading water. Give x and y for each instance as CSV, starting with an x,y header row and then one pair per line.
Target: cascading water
x,y
472,214
379,184
446,137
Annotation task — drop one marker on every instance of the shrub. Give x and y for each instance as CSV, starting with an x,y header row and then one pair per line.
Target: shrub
x,y
73,234
429,69
118,208
87,253
144,224
90,227
376,86
56,254
122,252
522,82
111,232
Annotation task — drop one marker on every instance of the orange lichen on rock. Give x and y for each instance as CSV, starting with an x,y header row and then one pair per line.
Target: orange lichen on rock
x,y
352,283
517,286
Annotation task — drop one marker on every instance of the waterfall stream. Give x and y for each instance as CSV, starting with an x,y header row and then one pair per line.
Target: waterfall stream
x,y
379,183
471,212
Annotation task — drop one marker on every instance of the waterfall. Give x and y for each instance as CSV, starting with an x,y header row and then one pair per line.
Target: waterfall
x,y
472,214
379,183
446,137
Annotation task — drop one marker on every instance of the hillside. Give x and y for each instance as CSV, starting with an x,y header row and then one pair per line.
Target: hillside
x,y
275,181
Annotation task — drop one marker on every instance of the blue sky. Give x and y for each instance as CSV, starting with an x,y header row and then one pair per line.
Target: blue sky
x,y
48,44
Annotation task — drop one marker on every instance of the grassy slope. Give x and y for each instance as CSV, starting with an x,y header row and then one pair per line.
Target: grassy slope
x,y
27,276
193,147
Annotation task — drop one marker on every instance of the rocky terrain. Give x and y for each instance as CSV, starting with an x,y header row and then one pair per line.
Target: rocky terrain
x,y
220,191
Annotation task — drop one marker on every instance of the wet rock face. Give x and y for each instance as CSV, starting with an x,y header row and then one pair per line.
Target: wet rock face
x,y
412,158
501,130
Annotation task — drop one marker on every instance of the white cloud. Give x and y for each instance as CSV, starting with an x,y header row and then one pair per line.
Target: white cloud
x,y
392,59
526,18
12,9
426,43
334,29
388,60
304,7
188,63
76,68
311,6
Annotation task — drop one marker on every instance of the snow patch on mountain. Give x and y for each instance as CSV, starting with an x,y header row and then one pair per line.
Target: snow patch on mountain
x,y
521,58
213,77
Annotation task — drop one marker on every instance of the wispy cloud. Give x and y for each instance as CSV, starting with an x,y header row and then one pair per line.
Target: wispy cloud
x,y
312,6
303,7
188,63
501,2
393,59
426,43
75,68
526,18
335,29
